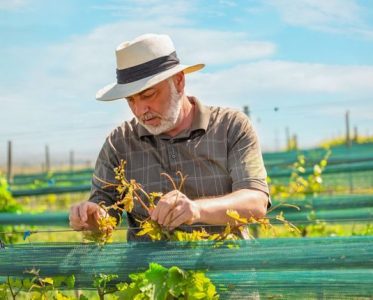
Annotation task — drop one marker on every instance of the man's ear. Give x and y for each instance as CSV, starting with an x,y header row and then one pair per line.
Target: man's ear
x,y
179,82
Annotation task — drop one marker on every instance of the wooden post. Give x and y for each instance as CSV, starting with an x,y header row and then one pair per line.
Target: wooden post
x,y
348,138
295,139
287,135
9,164
356,135
47,160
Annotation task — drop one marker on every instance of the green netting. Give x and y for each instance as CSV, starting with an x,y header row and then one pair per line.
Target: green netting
x,y
339,155
46,219
282,268
57,174
350,179
347,167
331,169
346,208
51,190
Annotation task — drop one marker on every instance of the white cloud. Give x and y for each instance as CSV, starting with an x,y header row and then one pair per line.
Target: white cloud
x,y
335,16
12,4
272,78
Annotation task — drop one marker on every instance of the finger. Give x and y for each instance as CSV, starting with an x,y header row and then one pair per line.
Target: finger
x,y
180,217
82,211
165,214
154,213
177,222
157,214
168,219
74,218
162,217
74,214
89,209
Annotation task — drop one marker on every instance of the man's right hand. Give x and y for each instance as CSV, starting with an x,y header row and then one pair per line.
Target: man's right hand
x,y
85,216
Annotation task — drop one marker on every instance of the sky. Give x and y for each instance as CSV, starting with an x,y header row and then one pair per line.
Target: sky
x,y
298,65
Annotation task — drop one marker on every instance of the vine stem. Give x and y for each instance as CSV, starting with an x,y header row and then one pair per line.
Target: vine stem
x,y
141,202
11,290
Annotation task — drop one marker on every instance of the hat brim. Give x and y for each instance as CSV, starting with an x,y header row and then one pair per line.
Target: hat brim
x,y
117,91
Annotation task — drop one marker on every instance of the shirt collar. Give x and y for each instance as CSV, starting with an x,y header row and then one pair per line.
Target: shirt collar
x,y
200,121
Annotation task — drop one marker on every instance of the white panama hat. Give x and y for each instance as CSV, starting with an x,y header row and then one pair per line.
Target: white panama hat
x,y
142,63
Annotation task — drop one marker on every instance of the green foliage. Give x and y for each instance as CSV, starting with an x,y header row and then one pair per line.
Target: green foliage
x,y
3,291
299,185
340,141
39,288
161,283
8,204
101,281
366,230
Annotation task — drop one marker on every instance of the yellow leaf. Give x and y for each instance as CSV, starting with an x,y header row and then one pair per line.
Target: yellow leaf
x,y
235,216
48,280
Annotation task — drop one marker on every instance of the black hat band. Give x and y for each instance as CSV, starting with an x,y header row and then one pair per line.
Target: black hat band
x,y
147,69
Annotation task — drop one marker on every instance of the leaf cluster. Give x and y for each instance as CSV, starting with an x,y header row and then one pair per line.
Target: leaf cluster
x,y
161,283
299,185
40,288
8,204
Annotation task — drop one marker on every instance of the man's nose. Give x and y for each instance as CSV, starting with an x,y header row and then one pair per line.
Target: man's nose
x,y
140,108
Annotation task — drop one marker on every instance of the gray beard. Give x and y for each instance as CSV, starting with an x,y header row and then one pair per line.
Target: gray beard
x,y
171,116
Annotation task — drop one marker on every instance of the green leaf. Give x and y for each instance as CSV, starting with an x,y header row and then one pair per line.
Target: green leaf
x,y
70,281
15,282
200,287
156,275
58,280
27,283
127,291
176,281
3,291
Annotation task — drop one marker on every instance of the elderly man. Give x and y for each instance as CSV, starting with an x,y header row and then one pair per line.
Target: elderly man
x,y
215,147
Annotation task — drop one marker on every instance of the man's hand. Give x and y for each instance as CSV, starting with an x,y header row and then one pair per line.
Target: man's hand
x,y
174,209
85,216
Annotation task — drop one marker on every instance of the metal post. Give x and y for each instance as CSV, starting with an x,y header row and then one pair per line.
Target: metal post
x,y
356,135
47,160
9,164
287,135
295,141
348,138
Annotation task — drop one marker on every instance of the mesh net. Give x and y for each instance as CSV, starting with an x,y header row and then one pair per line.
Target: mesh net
x,y
271,268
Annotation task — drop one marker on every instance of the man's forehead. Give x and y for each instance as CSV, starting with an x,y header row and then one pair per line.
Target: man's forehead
x,y
156,86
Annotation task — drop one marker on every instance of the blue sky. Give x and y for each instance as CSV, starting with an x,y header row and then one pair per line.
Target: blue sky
x,y
310,59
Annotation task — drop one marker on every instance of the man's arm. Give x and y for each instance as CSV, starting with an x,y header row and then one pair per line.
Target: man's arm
x,y
175,208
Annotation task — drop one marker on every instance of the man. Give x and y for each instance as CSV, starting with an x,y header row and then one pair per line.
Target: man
x,y
216,148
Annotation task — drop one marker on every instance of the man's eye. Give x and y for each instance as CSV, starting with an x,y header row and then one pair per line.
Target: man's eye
x,y
148,95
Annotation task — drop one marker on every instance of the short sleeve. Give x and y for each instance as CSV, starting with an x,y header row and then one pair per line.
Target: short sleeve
x,y
245,161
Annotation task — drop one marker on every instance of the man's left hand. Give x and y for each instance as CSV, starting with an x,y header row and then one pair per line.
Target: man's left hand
x,y
174,209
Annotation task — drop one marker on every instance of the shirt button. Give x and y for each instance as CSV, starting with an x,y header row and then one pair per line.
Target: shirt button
x,y
173,156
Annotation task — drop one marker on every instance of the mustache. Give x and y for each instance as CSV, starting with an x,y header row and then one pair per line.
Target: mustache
x,y
149,115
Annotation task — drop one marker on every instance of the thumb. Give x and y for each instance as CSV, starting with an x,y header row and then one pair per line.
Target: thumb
x,y
88,209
